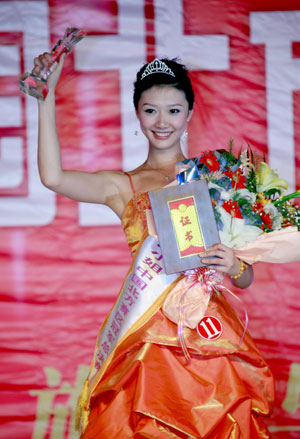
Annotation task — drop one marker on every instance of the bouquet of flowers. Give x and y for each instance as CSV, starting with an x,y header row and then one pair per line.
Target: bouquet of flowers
x,y
249,203
253,216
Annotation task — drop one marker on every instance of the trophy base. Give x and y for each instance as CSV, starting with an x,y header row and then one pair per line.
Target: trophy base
x,y
34,86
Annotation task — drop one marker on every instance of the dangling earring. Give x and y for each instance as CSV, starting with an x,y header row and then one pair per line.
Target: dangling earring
x,y
183,142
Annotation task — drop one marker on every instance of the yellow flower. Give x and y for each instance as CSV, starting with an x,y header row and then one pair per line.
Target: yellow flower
x,y
262,199
268,179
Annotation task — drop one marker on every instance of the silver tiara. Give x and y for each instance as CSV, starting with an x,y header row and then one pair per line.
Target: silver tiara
x,y
157,66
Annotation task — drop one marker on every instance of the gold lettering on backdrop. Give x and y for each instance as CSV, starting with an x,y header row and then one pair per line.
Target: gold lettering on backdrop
x,y
56,419
291,401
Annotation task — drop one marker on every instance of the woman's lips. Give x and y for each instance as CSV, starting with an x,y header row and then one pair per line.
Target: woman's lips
x,y
162,135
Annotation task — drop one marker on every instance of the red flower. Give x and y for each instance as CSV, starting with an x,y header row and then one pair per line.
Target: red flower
x,y
233,208
265,217
238,180
210,161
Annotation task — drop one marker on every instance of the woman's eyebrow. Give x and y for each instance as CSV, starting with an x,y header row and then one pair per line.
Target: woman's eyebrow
x,y
147,103
169,105
175,105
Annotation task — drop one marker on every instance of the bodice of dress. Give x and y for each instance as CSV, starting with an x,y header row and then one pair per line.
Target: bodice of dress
x,y
134,219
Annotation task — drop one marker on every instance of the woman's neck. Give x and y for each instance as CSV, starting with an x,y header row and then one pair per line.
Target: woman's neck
x,y
163,159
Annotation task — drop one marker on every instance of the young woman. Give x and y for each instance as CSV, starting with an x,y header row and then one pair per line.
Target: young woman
x,y
140,384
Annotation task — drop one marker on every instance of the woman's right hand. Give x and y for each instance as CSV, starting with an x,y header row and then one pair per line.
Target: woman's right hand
x,y
46,69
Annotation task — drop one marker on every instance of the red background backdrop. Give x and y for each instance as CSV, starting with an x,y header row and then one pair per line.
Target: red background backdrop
x,y
60,278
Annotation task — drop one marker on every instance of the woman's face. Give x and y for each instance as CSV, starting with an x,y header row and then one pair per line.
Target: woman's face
x,y
163,114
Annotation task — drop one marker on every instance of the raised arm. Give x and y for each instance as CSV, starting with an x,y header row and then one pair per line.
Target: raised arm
x,y
104,187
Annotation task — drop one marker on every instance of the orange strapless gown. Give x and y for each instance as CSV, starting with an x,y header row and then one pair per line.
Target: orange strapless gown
x,y
149,391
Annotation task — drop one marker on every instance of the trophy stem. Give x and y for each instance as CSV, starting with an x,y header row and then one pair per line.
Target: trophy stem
x,y
37,87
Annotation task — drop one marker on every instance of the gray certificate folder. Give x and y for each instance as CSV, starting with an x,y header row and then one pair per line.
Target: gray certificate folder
x,y
185,224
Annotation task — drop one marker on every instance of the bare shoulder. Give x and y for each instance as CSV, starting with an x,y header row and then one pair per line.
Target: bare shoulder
x,y
117,181
118,190
120,186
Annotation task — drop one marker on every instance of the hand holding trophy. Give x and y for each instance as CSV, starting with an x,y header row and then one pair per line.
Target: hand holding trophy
x,y
37,86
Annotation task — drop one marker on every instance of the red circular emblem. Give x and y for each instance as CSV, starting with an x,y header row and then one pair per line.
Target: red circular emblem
x,y
210,328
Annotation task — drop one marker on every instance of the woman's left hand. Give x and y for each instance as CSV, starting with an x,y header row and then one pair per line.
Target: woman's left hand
x,y
222,258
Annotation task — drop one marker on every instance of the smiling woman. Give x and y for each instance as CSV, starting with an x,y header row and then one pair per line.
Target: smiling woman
x,y
140,384
163,115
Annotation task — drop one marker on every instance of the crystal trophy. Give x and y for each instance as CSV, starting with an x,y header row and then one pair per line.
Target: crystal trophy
x,y
34,85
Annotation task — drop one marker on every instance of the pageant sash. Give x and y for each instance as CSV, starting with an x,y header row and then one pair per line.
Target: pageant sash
x,y
142,289
145,282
